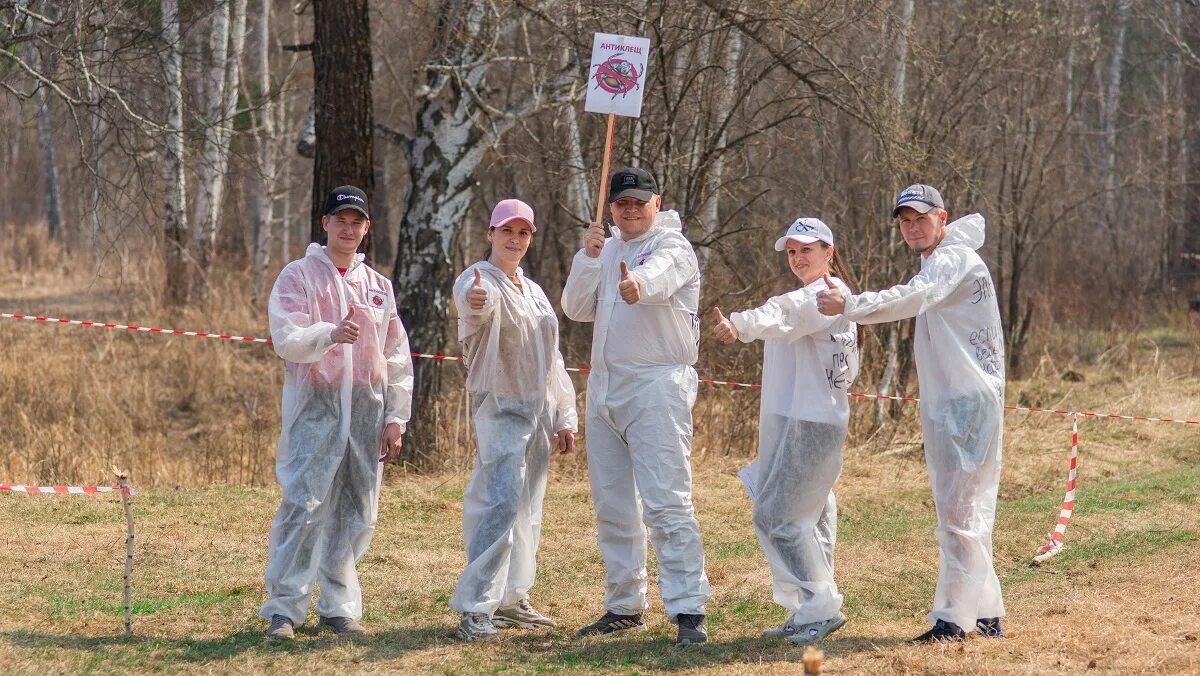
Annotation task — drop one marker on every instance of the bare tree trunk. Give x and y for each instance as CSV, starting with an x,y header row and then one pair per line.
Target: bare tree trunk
x,y
343,116
45,136
264,195
891,360
226,40
710,211
579,188
1110,104
175,209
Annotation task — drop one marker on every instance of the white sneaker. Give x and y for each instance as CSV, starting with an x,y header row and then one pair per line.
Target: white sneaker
x,y
815,631
523,616
475,627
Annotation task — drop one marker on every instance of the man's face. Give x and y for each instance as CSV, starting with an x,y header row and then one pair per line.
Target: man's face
x,y
922,231
346,230
633,216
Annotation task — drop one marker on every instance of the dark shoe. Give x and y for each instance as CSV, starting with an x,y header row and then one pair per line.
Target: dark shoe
x,y
281,629
342,626
691,630
942,632
612,623
989,627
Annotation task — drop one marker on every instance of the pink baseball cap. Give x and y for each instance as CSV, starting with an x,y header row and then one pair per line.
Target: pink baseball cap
x,y
512,210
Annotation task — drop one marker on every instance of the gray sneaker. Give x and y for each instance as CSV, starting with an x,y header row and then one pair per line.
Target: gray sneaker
x,y
281,629
475,627
342,626
815,631
523,616
782,631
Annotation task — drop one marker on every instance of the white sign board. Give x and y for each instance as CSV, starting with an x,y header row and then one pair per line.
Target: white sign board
x,y
617,76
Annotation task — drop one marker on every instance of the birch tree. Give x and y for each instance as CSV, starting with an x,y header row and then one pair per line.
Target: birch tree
x,y
175,207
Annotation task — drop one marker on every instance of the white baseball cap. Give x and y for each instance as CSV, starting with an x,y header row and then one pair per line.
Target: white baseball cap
x,y
805,231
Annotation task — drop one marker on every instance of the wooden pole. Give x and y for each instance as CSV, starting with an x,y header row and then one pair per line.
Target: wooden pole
x,y
123,482
602,193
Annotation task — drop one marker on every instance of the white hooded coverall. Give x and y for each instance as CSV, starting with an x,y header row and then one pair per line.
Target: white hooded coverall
x,y
337,398
809,363
639,413
523,397
959,347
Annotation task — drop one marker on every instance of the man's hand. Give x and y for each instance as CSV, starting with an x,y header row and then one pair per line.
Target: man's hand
x,y
630,288
566,441
725,331
831,302
391,444
593,240
347,330
477,296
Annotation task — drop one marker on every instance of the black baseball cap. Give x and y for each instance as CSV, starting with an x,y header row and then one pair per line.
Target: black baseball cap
x,y
346,197
632,182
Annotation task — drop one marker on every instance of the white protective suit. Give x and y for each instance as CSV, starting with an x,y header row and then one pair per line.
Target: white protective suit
x,y
809,363
337,398
960,365
523,396
639,413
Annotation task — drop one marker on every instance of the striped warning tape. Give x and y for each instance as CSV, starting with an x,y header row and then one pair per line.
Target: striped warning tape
x,y
1068,506
443,357
67,490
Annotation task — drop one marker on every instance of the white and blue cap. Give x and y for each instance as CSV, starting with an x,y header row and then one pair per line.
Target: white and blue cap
x,y
919,197
805,231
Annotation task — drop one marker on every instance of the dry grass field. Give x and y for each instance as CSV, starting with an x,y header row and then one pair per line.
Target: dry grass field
x,y
195,421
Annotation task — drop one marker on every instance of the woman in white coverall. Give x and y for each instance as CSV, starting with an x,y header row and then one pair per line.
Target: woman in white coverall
x,y
522,400
959,346
347,392
809,363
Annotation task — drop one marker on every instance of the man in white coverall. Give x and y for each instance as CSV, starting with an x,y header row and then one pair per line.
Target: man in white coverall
x,y
960,365
641,287
347,393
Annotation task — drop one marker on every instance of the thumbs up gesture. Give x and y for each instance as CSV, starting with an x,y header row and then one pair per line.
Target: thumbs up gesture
x,y
346,331
831,302
724,331
477,296
630,288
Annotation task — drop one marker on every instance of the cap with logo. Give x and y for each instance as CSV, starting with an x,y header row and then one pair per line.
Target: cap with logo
x,y
346,197
632,182
805,231
919,197
511,210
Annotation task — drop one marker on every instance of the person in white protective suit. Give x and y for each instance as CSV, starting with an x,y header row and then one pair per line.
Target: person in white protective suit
x,y
347,393
523,402
809,362
641,288
959,347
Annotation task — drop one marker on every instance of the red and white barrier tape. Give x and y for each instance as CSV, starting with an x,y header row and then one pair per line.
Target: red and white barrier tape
x,y
67,490
1054,546
134,327
443,357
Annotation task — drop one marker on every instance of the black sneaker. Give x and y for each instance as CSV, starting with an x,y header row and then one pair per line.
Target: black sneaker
x,y
612,623
691,630
989,627
942,632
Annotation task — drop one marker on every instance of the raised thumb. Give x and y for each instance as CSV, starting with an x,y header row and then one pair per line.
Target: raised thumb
x,y
624,270
717,313
829,282
350,314
478,278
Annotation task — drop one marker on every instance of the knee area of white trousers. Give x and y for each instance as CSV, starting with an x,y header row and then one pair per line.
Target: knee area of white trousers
x,y
777,527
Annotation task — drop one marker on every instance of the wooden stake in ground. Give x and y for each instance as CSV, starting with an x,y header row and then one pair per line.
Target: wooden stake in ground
x,y
813,660
618,69
123,482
